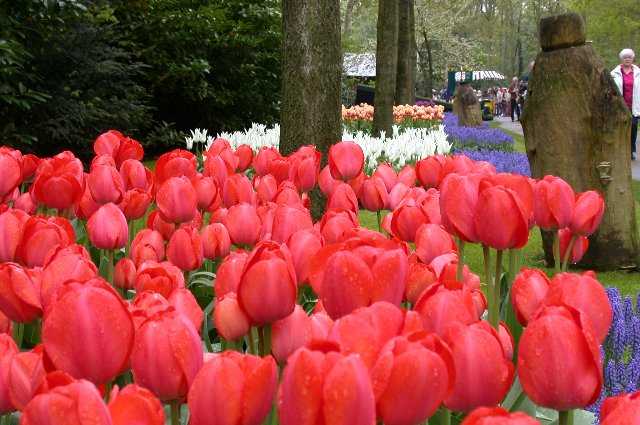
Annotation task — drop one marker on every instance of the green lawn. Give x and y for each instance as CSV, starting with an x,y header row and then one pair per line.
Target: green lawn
x,y
627,282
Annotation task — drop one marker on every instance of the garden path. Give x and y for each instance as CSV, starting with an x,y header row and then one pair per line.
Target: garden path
x,y
516,127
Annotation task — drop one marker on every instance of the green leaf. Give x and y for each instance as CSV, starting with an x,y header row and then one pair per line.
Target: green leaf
x,y
517,401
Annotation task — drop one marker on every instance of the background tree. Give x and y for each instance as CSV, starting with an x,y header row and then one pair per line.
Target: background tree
x,y
386,65
311,71
406,73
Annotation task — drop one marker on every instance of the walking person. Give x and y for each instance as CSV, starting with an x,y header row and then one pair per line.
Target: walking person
x,y
499,98
513,92
627,78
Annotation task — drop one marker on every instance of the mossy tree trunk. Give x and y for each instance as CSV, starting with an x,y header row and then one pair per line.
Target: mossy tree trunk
x,y
406,71
386,65
311,72
466,106
577,127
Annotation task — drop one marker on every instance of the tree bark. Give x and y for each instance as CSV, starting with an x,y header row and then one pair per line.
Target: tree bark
x,y
386,65
311,72
348,16
577,127
405,80
466,106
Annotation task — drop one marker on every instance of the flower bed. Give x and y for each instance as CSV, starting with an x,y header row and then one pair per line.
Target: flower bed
x,y
360,117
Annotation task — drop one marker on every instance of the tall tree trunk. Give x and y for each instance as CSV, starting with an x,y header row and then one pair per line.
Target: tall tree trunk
x,y
311,72
429,86
348,17
405,79
386,65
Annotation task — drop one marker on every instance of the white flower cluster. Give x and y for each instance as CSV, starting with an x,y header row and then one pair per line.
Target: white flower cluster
x,y
402,147
198,136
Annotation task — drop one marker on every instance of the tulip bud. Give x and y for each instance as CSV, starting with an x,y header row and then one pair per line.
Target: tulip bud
x,y
346,160
135,405
624,408
11,225
554,203
588,213
26,374
528,292
458,200
497,416
229,273
59,181
19,295
215,241
580,245
432,241
124,274
162,278
11,172
147,245
177,163
501,220
185,303
107,228
245,156
8,349
135,175
230,321
40,235
184,249
237,189
373,194
177,200
177,355
243,224
240,388
105,185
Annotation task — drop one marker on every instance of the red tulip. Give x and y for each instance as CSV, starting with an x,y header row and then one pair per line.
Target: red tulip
x,y
373,194
78,403
432,241
177,200
304,173
157,223
237,189
62,264
29,166
147,304
105,184
420,277
135,405
88,332
441,307
263,158
346,160
230,320
528,292
430,204
521,185
124,275
102,161
239,388
26,203
11,225
497,416
501,220
559,362
229,272
584,293
243,224
218,145
167,355
483,373
388,175
623,409
289,220
461,164
26,375
208,195
186,304
87,206
397,195
10,174
430,370
343,197
580,245
118,146
40,235
588,213
554,202
107,228
215,241
407,176
217,169
357,273
184,249
177,163
8,349
245,156
19,295
5,325
266,187
290,333
268,287
430,171
303,245
288,195
135,175
135,204
337,225
458,199
338,390
147,245
162,278
59,181
326,181
279,168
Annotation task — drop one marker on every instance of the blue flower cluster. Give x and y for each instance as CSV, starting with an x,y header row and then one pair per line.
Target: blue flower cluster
x,y
467,138
484,143
621,349
505,162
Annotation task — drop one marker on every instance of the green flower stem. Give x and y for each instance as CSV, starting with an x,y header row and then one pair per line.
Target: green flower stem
x,y
110,265
446,417
175,412
565,417
266,335
379,221
252,343
494,303
460,260
486,253
556,252
567,255
18,333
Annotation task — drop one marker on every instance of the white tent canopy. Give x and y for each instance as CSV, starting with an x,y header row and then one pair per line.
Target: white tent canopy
x,y
359,64
479,75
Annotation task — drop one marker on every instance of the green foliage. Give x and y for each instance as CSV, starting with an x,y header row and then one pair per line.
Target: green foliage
x,y
150,68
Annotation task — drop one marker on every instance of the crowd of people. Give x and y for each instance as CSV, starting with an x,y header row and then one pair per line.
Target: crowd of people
x,y
508,101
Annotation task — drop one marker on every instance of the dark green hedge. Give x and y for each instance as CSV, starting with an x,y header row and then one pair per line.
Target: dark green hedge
x,y
151,68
